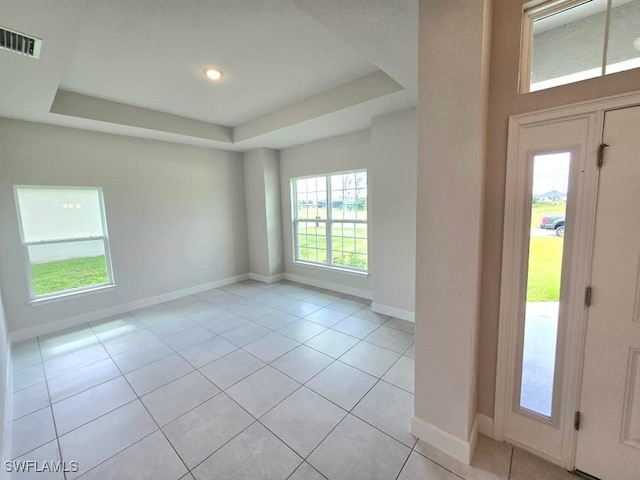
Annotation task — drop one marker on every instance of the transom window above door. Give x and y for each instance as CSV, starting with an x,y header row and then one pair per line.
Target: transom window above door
x,y
566,41
330,220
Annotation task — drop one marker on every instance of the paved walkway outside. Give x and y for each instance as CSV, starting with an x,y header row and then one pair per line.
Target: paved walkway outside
x,y
541,328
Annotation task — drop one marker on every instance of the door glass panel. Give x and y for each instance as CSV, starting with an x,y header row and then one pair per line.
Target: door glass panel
x,y
546,242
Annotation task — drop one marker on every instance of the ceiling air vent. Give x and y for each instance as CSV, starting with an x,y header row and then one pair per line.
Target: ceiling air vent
x,y
19,43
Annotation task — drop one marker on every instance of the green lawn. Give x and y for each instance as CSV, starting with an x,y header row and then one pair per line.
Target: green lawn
x,y
67,274
349,244
545,267
545,257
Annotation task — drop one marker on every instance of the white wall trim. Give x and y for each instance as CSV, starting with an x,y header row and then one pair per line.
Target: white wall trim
x,y
336,287
266,278
445,442
485,425
394,311
32,332
588,106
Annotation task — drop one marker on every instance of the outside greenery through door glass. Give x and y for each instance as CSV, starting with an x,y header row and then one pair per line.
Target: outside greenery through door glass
x,y
544,277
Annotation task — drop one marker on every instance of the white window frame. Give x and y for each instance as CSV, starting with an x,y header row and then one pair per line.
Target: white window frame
x,y
536,10
104,238
328,221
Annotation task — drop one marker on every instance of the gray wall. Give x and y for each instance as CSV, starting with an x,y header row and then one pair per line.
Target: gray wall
x,y
452,124
5,442
264,224
175,214
273,211
345,152
389,153
392,187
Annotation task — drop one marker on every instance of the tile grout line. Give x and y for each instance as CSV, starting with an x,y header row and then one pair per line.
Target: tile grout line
x,y
257,420
189,316
110,357
99,341
117,453
139,399
348,412
53,417
510,462
404,464
413,450
216,335
304,462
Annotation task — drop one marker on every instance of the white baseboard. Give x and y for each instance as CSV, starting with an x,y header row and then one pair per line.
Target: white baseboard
x,y
453,446
336,287
485,425
51,327
266,278
393,311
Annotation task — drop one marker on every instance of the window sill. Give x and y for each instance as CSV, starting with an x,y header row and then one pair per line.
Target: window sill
x,y
68,295
331,268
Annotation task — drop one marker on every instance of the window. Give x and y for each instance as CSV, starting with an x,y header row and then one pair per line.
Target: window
x,y
330,219
64,234
565,41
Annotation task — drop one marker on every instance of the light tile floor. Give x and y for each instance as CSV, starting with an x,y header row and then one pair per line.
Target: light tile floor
x,y
247,381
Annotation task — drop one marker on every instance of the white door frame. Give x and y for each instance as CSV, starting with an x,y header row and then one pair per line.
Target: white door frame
x,y
511,306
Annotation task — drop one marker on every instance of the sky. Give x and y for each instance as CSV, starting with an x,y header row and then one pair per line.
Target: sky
x,y
551,172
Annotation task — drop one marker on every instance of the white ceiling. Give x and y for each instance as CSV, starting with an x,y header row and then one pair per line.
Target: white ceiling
x,y
294,70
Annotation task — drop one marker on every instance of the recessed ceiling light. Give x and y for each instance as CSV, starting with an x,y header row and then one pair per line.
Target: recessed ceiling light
x,y
636,43
213,74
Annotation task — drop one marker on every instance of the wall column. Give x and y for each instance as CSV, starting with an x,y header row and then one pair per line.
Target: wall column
x,y
454,43
264,219
392,213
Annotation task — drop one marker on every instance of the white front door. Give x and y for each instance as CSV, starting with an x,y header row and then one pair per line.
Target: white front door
x,y
543,281
608,444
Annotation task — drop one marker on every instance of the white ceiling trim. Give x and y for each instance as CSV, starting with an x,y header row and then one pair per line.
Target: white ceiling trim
x,y
83,106
364,89
369,87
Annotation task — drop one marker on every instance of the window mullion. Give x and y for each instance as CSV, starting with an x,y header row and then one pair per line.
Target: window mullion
x,y
64,240
294,216
296,250
107,256
329,229
526,54
605,44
